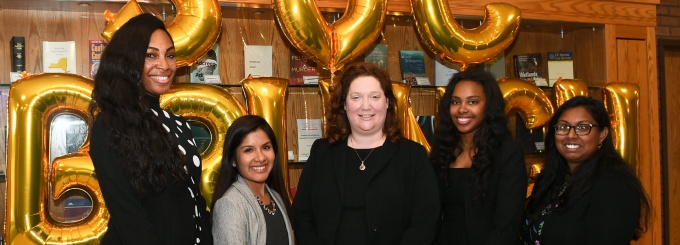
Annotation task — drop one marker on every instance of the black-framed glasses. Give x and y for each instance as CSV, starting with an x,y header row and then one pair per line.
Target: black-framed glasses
x,y
580,129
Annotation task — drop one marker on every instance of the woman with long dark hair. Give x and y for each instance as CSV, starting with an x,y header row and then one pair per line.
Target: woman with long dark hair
x,y
481,171
250,201
586,193
145,158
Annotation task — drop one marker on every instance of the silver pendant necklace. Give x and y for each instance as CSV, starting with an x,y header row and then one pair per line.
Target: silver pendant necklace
x,y
362,167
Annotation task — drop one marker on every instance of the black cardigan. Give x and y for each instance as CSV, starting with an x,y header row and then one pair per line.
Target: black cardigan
x,y
402,199
166,217
497,218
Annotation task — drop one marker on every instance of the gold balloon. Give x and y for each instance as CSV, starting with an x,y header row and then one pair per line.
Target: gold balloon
x,y
442,35
116,21
216,109
331,45
194,30
409,125
622,102
326,86
565,89
534,106
33,102
266,97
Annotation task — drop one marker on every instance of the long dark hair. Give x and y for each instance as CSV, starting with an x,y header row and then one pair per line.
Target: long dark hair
x,y
487,139
149,155
556,169
338,123
239,130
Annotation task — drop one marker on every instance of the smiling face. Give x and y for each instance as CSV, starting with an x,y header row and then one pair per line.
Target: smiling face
x,y
159,64
366,106
574,148
468,103
255,158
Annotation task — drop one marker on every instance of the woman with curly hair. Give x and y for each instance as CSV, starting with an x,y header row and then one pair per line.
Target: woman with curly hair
x,y
481,172
145,158
365,183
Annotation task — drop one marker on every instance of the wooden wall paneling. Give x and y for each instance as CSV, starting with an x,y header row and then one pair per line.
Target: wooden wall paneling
x,y
611,53
631,54
589,56
671,136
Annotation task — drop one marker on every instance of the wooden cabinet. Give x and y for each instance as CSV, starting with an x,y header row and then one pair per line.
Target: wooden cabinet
x,y
612,41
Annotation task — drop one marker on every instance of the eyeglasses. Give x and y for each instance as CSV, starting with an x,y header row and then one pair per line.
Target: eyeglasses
x,y
580,130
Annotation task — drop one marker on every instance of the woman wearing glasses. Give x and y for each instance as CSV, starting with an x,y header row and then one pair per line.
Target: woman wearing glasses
x,y
586,193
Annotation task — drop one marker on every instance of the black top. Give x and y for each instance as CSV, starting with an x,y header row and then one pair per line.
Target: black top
x,y
175,215
496,218
607,213
353,216
276,226
401,198
453,229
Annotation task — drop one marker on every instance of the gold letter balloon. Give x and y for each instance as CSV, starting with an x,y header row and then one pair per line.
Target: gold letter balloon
x,y
331,45
442,35
621,100
534,106
194,30
215,109
33,103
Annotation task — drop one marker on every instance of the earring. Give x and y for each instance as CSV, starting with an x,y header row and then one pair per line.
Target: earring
x,y
599,146
233,164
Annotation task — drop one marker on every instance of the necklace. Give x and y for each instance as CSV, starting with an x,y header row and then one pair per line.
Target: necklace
x,y
362,167
271,208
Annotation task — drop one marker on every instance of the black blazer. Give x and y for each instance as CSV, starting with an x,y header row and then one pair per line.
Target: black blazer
x,y
402,200
608,213
496,219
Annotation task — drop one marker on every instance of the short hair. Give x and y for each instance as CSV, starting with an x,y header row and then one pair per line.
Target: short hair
x,y
338,125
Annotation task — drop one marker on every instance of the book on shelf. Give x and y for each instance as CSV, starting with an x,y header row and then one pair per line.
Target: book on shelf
x,y
207,68
377,55
96,50
560,65
529,67
443,71
59,57
302,69
18,46
258,61
412,63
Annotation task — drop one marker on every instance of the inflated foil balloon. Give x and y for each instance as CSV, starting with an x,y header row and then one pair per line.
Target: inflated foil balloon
x,y
622,102
533,105
266,97
216,109
565,89
442,35
408,123
331,45
194,30
326,86
33,102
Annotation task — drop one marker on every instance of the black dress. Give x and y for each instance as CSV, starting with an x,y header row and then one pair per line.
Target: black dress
x,y
453,229
175,215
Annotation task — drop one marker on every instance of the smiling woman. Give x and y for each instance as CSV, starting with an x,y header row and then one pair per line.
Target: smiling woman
x,y
145,158
250,201
586,193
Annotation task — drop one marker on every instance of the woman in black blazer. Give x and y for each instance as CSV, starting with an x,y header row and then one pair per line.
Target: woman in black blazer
x,y
586,193
365,183
481,172
145,158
